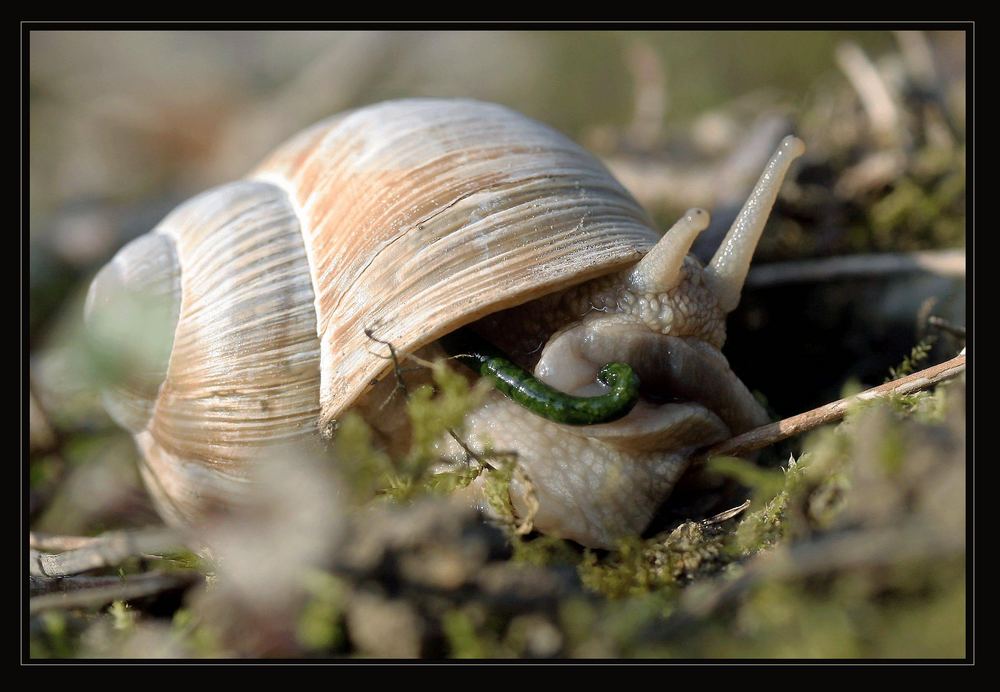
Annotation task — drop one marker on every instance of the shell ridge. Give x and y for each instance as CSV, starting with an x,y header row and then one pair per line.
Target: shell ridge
x,y
282,183
271,244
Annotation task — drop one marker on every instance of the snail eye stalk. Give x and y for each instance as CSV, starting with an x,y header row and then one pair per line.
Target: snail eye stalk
x,y
727,271
525,389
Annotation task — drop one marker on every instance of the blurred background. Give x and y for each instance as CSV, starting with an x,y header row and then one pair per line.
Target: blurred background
x,y
126,125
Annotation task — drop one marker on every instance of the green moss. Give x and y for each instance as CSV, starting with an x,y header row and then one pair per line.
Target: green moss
x,y
927,623
496,490
365,468
55,639
804,499
433,411
461,633
627,571
926,207
195,635
912,362
123,616
689,551
320,625
545,551
847,615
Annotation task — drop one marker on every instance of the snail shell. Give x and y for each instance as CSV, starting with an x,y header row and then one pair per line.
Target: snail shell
x,y
406,220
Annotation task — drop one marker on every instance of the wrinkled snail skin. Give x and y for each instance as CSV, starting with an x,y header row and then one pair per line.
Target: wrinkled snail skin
x,y
409,220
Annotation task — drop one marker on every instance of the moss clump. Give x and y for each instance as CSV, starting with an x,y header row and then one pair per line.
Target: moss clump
x,y
626,571
863,539
925,208
546,551
496,490
123,616
434,410
365,468
913,361
463,635
320,624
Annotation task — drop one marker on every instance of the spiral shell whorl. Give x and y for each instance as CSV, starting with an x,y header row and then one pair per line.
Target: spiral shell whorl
x,y
243,373
131,313
244,366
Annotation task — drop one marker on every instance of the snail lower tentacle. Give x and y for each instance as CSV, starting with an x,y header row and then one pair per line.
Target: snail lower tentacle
x,y
525,389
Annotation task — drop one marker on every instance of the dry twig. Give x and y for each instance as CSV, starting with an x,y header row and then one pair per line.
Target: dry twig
x,y
946,326
470,454
767,435
94,592
107,550
940,262
52,543
872,91
727,514
650,94
41,434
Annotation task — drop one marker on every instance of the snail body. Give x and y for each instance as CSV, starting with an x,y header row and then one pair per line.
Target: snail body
x,y
406,221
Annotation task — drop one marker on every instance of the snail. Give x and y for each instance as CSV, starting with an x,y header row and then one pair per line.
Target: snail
x,y
414,221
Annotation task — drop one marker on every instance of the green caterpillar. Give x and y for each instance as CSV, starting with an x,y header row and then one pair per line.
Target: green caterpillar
x,y
522,387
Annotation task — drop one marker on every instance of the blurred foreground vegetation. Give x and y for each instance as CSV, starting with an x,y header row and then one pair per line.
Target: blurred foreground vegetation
x,y
853,548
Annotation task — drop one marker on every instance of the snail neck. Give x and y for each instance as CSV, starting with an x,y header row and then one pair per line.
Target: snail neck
x,y
687,309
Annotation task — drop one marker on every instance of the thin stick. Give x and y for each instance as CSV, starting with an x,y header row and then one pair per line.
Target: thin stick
x,y
918,57
470,455
946,326
41,435
767,435
649,94
728,514
100,592
397,371
940,262
871,89
51,543
108,550
39,586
